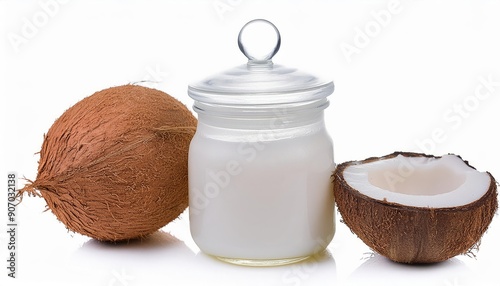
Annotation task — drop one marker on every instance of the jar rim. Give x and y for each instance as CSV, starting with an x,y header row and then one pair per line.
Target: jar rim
x,y
259,111
277,87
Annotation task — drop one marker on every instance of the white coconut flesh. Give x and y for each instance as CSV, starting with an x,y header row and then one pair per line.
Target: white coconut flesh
x,y
419,181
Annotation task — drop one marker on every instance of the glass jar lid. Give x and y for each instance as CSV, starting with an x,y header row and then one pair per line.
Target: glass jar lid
x,y
260,81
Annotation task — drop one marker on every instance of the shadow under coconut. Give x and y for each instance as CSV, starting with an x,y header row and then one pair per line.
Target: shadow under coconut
x,y
153,257
316,270
157,239
379,270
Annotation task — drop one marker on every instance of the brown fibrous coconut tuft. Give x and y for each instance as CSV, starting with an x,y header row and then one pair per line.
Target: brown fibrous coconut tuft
x,y
114,165
410,234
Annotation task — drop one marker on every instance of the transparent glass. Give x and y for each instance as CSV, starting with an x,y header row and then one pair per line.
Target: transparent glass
x,y
260,81
259,187
261,159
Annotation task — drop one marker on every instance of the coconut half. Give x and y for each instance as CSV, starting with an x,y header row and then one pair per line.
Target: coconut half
x,y
415,208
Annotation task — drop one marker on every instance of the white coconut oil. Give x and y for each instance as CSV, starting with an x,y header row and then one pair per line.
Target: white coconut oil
x,y
261,196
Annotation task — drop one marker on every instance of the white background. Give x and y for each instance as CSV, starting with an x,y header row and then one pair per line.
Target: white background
x,y
413,81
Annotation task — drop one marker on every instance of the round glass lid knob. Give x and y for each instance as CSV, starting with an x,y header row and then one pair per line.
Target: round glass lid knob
x,y
259,40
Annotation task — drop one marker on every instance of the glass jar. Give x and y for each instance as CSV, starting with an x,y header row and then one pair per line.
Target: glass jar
x,y
261,159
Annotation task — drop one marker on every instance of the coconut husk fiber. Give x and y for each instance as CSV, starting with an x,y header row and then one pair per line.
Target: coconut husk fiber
x,y
114,165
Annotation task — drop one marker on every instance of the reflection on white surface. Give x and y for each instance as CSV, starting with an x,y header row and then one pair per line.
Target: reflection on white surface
x,y
316,270
162,259
159,257
378,270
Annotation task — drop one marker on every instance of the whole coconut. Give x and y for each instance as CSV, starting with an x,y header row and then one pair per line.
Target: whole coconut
x,y
114,166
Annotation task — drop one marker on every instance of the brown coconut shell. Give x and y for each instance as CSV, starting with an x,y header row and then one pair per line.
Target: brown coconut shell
x,y
413,234
114,165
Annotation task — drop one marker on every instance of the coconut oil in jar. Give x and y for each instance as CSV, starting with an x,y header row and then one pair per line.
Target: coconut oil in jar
x,y
261,160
